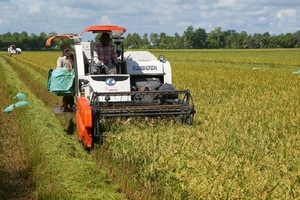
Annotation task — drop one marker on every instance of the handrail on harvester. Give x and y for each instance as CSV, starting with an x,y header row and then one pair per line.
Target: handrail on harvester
x,y
116,30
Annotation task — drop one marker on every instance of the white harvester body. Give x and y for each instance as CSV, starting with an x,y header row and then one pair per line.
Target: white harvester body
x,y
136,65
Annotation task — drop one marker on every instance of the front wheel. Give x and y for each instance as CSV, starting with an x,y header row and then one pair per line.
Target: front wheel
x,y
97,134
186,118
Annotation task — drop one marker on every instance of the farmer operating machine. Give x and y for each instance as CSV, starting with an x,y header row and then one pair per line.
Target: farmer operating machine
x,y
141,86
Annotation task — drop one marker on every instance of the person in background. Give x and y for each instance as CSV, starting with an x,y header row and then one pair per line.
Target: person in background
x,y
105,56
65,61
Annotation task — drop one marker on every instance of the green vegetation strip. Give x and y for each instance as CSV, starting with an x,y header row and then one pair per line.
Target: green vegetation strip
x,y
61,168
37,81
15,181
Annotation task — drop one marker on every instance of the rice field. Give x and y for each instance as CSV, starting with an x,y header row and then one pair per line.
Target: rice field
x,y
245,140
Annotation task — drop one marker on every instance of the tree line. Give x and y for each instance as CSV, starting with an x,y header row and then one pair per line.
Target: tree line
x,y
190,39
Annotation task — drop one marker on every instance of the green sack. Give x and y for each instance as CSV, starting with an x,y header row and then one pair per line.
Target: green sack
x,y
61,82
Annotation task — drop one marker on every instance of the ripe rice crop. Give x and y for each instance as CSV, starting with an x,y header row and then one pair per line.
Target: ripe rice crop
x,y
244,143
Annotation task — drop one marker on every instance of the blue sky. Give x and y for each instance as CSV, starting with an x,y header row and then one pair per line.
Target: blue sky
x,y
151,16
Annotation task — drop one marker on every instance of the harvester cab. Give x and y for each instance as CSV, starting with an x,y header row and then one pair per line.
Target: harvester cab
x,y
141,86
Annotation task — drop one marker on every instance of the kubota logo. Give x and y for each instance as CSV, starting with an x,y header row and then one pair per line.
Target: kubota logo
x,y
110,81
147,67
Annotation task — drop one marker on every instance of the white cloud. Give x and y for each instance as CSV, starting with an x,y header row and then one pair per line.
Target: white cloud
x,y
286,13
226,3
155,16
34,8
287,20
105,20
262,19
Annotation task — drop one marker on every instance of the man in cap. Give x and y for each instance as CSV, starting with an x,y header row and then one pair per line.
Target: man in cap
x,y
65,61
105,55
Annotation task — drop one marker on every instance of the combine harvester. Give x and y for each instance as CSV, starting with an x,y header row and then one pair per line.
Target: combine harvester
x,y
140,87
13,50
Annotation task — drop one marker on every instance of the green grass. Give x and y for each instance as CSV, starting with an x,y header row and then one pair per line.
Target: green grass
x,y
61,168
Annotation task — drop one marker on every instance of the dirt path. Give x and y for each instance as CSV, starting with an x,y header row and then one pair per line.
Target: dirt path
x,y
15,178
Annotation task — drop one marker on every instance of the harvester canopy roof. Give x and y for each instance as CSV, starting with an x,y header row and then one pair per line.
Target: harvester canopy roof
x,y
64,36
116,30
